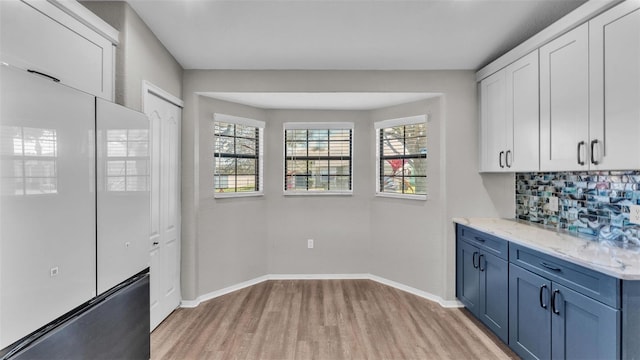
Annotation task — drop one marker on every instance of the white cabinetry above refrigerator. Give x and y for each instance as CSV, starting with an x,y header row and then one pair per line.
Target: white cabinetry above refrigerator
x,y
43,36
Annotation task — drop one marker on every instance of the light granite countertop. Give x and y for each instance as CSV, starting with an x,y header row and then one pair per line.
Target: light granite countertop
x,y
601,256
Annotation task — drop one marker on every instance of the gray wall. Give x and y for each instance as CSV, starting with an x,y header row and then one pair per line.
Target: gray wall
x,y
407,237
338,224
358,241
231,233
139,56
223,241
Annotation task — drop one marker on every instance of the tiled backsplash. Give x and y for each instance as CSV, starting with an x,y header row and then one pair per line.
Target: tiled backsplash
x,y
590,203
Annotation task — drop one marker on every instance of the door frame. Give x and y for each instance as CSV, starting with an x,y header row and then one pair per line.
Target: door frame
x,y
150,89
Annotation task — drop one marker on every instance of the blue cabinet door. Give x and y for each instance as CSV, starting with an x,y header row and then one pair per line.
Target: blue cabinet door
x,y
583,328
468,277
529,314
494,295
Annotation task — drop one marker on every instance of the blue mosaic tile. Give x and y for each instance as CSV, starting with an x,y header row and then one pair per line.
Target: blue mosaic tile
x,y
594,204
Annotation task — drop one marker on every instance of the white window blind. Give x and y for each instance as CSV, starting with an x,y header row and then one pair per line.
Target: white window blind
x,y
318,158
238,156
401,156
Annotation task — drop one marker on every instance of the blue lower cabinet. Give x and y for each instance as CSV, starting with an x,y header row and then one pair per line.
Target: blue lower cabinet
x,y
482,282
583,328
529,314
550,321
494,294
545,307
468,282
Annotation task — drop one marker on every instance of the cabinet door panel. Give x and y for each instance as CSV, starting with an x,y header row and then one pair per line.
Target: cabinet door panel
x,y
529,322
523,114
615,87
75,54
493,119
583,328
467,276
564,102
494,296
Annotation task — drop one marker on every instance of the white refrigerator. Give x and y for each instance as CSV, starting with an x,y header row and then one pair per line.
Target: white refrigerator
x,y
74,213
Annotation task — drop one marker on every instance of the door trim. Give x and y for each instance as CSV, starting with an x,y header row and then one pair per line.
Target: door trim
x,y
148,87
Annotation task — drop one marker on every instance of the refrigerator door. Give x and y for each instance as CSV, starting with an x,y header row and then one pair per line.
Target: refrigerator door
x,y
47,201
116,326
123,193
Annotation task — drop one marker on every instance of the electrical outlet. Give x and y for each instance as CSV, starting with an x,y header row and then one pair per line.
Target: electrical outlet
x,y
553,203
53,271
634,214
309,243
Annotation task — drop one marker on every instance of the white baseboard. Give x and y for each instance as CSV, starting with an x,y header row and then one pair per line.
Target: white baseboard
x,y
417,292
224,291
381,280
318,276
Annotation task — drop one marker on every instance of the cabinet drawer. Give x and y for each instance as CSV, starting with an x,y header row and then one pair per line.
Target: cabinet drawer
x,y
596,285
488,243
71,53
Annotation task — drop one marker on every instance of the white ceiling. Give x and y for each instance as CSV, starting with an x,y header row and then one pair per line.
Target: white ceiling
x,y
345,34
319,101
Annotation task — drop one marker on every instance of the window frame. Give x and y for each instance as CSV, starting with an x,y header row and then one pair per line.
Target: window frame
x,y
236,120
384,124
317,126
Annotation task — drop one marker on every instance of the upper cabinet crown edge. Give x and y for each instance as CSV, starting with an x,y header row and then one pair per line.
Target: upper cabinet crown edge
x,y
570,21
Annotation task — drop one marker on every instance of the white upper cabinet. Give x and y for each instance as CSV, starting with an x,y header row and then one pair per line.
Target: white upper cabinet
x,y
509,117
494,143
588,108
614,56
564,102
41,37
523,113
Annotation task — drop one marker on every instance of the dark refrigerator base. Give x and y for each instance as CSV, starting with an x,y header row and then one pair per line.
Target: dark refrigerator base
x,y
113,326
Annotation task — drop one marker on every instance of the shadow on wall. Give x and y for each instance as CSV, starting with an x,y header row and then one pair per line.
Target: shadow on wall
x,y
501,191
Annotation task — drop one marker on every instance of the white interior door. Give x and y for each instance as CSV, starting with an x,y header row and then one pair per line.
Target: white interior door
x,y
164,113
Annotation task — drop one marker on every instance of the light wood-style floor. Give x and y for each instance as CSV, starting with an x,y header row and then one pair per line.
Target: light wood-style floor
x,y
323,319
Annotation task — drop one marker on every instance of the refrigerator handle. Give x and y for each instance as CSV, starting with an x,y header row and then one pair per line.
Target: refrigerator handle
x,y
43,74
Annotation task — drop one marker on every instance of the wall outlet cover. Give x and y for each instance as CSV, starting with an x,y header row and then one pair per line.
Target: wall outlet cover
x,y
553,203
310,244
634,214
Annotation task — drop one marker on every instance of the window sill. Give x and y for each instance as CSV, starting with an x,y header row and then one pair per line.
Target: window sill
x,y
318,193
237,195
402,196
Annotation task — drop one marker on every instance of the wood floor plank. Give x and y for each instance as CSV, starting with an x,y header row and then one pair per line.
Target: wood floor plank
x,y
323,319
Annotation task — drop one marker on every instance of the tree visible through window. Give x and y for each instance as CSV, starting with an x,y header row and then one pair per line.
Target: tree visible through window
x,y
402,156
318,158
237,155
